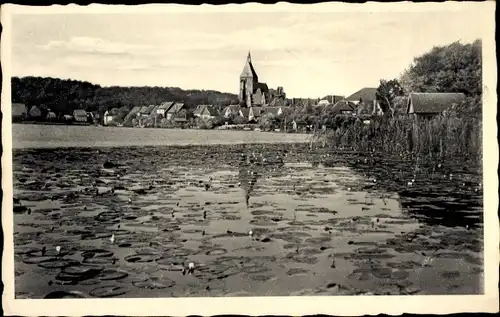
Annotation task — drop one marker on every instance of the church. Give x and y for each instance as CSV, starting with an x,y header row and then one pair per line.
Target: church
x,y
252,92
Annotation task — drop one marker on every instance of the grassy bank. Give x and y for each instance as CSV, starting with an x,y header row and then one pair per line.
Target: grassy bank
x,y
437,139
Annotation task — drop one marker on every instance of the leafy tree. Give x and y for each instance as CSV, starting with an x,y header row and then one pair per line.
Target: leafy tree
x,y
453,68
240,120
386,92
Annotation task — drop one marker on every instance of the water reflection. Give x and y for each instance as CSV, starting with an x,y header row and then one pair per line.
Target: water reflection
x,y
435,198
253,167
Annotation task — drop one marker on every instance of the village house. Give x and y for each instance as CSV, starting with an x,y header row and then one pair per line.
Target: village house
x,y
19,112
35,113
164,107
145,111
174,109
429,105
180,116
80,115
366,97
254,113
245,113
343,107
108,117
232,110
132,113
51,116
206,112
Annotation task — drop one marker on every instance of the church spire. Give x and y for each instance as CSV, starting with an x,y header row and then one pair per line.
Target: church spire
x,y
248,70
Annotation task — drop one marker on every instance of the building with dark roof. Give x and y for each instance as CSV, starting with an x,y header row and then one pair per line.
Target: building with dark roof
x,y
428,105
252,92
19,111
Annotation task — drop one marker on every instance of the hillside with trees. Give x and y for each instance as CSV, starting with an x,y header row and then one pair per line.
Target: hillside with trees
x,y
63,95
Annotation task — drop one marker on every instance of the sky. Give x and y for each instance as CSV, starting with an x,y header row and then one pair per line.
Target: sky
x,y
310,54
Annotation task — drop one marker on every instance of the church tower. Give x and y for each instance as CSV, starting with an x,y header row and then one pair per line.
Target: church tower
x,y
248,82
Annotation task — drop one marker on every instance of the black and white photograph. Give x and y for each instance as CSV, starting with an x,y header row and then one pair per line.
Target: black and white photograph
x,y
251,157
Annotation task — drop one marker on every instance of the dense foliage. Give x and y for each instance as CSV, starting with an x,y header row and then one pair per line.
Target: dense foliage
x,y
452,68
64,96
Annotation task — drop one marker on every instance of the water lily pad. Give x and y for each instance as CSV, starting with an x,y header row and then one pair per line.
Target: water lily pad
x,y
92,281
218,251
108,291
99,261
96,253
382,272
253,269
65,294
261,277
57,263
154,283
296,271
111,274
142,258
82,270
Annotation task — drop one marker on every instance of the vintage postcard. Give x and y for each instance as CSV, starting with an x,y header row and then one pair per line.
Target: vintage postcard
x,y
249,159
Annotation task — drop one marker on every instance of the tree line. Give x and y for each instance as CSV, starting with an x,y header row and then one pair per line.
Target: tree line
x,y
63,96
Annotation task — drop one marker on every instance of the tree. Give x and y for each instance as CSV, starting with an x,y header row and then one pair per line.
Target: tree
x,y
453,68
240,120
386,92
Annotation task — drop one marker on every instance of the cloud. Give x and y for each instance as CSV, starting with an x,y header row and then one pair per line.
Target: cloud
x,y
94,46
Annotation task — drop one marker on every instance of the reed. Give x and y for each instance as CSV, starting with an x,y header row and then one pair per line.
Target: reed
x,y
439,138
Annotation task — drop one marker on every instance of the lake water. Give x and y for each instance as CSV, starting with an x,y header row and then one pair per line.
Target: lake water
x,y
316,230
51,136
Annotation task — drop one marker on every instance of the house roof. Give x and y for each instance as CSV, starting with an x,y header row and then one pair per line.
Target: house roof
x,y
343,105
149,109
176,107
18,109
143,109
135,109
79,112
51,115
262,86
35,111
248,70
365,94
232,109
432,102
212,110
166,105
199,109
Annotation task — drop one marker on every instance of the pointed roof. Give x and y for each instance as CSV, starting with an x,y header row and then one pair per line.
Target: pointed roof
x,y
365,94
248,70
432,102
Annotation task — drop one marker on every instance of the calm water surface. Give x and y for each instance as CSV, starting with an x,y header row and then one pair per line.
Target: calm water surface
x,y
50,136
315,230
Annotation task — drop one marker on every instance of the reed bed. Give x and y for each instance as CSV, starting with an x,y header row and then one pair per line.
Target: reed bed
x,y
438,138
